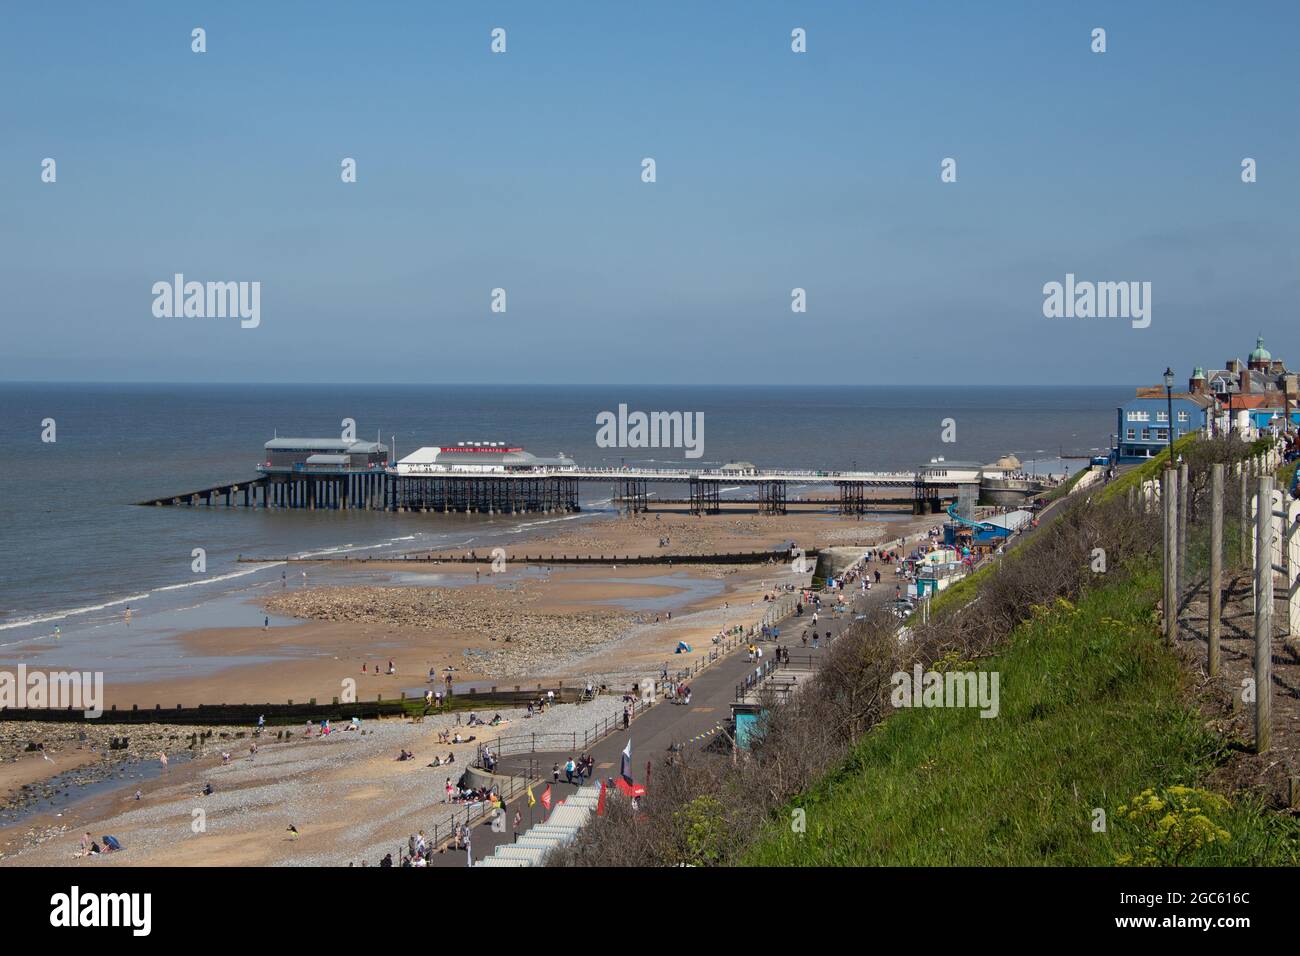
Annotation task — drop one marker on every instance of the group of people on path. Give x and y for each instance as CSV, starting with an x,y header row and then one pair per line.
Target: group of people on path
x,y
581,769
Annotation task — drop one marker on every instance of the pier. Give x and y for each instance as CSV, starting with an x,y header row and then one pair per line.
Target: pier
x,y
541,492
339,475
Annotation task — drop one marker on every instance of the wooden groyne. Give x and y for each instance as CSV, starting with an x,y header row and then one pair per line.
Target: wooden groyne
x,y
293,712
729,557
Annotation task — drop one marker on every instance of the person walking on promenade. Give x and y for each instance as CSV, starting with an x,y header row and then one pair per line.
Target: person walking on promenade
x,y
555,773
627,717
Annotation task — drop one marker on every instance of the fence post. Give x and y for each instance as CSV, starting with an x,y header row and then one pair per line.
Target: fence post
x,y
1245,515
1215,588
1263,612
1292,540
1169,498
1183,517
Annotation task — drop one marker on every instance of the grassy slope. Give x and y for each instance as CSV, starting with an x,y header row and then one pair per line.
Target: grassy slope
x,y
1063,489
1092,713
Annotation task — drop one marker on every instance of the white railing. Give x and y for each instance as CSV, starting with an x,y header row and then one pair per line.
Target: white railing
x,y
677,474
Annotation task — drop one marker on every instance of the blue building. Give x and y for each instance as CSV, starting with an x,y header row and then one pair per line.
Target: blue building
x,y
1143,421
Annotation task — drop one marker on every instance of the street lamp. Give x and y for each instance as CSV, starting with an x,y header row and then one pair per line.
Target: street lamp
x,y
1169,403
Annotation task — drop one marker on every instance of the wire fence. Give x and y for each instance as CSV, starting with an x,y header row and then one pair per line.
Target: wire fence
x,y
1230,547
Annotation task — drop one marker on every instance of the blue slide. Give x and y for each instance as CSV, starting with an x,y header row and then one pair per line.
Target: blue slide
x,y
977,525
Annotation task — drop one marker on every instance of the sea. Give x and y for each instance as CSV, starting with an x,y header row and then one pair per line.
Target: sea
x,y
78,551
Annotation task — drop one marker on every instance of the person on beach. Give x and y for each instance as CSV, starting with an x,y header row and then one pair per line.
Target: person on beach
x,y
162,759
448,788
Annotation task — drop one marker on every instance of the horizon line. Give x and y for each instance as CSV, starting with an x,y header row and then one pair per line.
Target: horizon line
x,y
783,386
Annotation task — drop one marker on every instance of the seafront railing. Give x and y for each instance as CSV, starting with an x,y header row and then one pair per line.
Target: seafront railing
x,y
517,744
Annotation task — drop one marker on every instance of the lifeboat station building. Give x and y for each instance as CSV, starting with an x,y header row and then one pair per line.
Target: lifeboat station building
x,y
323,455
324,473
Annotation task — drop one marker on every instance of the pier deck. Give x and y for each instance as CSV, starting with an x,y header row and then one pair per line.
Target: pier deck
x,y
544,490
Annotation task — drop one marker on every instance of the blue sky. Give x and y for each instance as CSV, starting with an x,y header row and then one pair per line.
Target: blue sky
x,y
522,171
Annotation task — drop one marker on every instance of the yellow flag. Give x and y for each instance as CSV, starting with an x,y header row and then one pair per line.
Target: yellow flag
x,y
532,801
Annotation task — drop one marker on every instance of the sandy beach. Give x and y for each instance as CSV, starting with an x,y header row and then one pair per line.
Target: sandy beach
x,y
563,622
347,795
528,625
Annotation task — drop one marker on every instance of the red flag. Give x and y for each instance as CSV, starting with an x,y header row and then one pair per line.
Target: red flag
x,y
600,803
546,798
631,789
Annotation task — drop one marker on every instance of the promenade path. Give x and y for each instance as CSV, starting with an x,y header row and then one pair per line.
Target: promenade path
x,y
665,724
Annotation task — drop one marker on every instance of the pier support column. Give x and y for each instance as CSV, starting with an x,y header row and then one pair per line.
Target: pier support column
x,y
771,498
704,497
853,498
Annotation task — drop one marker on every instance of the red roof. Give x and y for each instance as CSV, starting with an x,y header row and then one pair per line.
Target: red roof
x,y
1238,401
